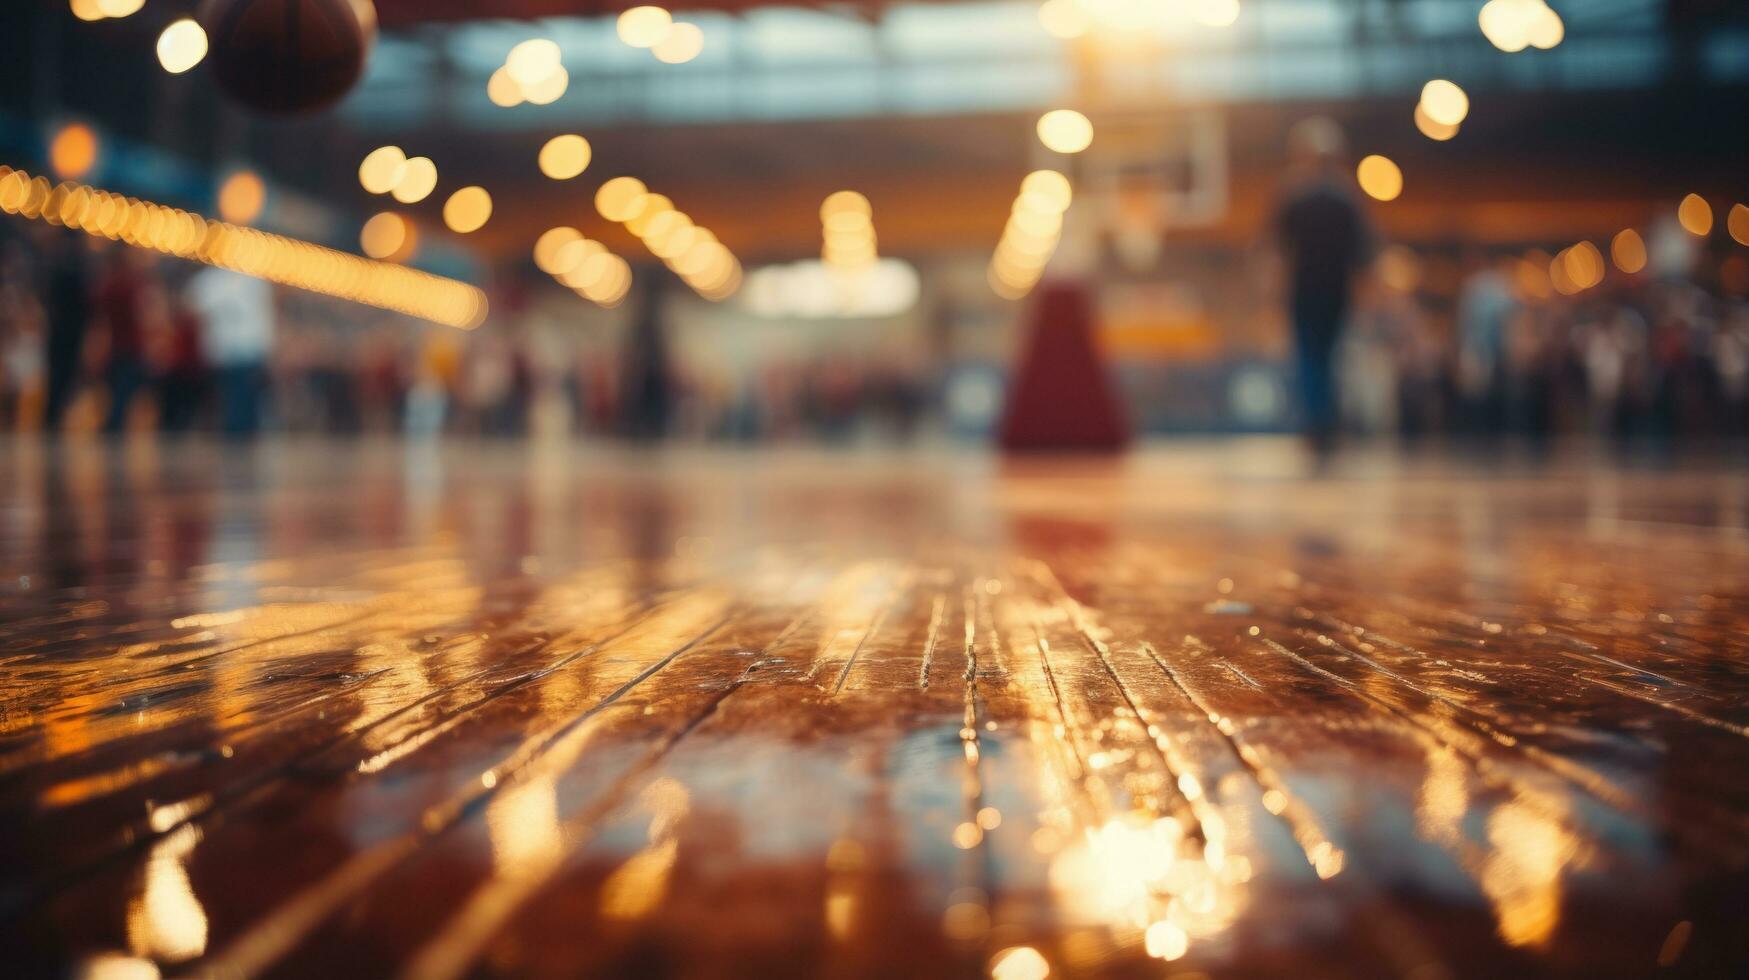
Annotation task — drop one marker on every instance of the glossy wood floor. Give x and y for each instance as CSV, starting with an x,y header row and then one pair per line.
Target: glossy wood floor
x,y
358,710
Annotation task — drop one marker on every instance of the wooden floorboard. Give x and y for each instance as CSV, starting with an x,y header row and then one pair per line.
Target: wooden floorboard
x,y
475,710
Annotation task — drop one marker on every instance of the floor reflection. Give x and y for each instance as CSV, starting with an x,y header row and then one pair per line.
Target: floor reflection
x,y
508,712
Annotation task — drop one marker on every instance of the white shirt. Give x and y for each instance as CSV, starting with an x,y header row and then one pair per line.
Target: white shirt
x,y
236,316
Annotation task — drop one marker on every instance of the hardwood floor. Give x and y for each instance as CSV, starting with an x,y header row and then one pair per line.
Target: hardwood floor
x,y
367,710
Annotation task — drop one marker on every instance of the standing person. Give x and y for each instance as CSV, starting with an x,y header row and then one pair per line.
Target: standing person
x,y
121,307
1325,242
182,383
66,304
236,316
647,400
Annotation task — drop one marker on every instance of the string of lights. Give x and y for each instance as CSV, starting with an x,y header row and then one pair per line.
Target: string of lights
x,y
584,266
276,258
1031,235
690,250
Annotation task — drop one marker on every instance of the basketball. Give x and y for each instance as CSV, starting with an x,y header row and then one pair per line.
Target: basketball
x,y
285,57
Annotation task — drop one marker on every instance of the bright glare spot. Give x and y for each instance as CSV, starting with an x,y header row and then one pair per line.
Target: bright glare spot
x,y
1628,250
382,169
1430,129
417,181
1444,102
241,198
1696,215
1166,940
1380,178
73,151
1216,13
644,27
1065,131
467,210
1063,18
1019,963
385,236
88,10
531,62
564,157
682,44
621,199
181,46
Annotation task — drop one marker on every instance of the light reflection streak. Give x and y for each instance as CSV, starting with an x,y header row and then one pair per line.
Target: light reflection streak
x,y
165,921
1532,848
637,887
1154,871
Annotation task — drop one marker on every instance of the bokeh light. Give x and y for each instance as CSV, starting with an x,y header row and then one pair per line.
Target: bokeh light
x,y
1513,25
550,243
1583,264
382,169
1063,18
1695,215
1047,190
531,62
73,151
1215,13
287,261
1065,131
644,27
503,90
621,199
1737,223
386,236
242,197
418,180
549,89
1379,177
119,8
845,210
1030,238
1444,102
1628,250
565,157
1430,129
1019,963
847,227
182,46
468,210
682,44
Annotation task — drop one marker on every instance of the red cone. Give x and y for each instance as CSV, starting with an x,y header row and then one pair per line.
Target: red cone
x,y
1060,397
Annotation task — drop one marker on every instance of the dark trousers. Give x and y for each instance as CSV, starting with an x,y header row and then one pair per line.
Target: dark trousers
x,y
180,395
241,389
63,377
125,377
1317,328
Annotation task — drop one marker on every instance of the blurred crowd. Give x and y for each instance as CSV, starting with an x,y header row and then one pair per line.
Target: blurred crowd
x,y
99,338
1482,344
